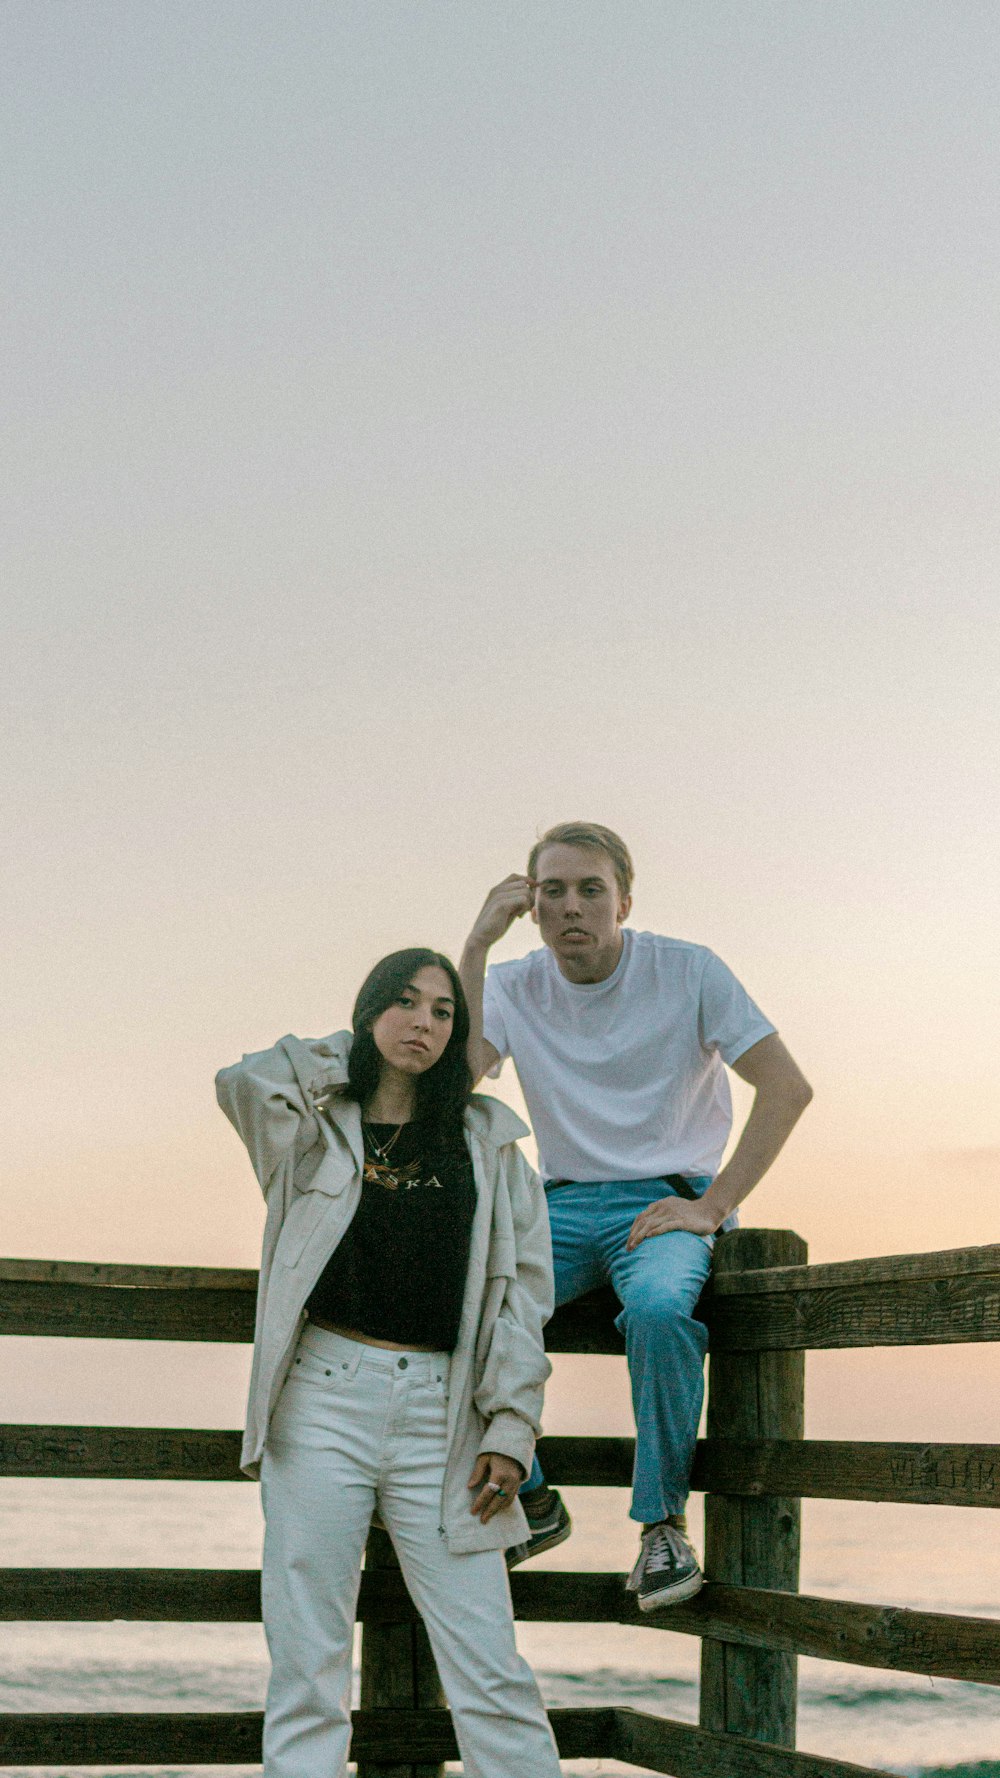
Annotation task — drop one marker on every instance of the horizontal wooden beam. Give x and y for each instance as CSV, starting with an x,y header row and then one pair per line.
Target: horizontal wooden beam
x,y
96,1272
916,1475
165,1453
899,1300
937,1475
411,1737
884,1268
660,1745
938,1644
908,1312
126,1312
132,1453
934,1643
101,1308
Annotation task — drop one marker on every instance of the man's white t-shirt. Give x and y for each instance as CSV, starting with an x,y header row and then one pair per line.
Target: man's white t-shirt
x,y
624,1078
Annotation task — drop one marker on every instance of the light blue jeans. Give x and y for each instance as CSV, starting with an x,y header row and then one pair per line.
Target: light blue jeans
x,y
658,1286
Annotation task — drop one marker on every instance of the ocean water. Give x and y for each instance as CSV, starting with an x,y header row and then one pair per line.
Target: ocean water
x,y
930,1557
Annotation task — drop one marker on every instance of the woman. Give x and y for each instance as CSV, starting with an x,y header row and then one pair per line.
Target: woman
x,y
398,1361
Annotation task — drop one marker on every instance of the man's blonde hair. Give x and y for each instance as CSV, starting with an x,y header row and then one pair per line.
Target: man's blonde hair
x,y
587,833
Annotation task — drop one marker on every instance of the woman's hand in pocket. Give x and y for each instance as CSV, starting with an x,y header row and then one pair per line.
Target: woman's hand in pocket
x,y
494,1482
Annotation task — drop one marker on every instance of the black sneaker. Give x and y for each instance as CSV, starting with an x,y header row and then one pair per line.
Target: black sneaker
x,y
545,1529
667,1570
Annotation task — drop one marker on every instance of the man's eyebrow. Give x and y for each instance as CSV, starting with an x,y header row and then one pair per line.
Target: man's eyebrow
x,y
544,881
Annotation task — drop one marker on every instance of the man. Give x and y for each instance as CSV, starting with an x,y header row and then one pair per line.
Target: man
x,y
620,1041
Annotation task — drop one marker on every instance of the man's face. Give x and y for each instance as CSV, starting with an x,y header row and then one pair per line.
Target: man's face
x,y
578,906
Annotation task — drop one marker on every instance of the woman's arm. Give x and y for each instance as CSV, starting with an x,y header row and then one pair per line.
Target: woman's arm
x,y
266,1102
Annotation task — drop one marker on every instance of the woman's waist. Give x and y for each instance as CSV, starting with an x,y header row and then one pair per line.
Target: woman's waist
x,y
353,1350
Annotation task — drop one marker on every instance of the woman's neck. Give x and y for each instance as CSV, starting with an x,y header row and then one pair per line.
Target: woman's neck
x,y
393,1100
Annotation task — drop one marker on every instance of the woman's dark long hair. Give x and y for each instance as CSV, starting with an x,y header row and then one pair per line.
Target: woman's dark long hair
x,y
442,1093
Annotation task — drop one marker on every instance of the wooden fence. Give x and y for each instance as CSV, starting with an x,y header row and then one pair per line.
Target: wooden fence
x,y
764,1309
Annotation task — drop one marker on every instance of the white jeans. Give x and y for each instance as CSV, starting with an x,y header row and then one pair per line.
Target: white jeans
x,y
357,1427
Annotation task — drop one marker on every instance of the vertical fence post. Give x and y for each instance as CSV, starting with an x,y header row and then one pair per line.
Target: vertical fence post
x,y
397,1668
753,1543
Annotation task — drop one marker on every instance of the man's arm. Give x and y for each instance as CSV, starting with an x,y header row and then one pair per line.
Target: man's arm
x,y
781,1096
503,905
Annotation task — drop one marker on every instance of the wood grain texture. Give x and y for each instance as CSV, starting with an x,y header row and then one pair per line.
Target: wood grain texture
x,y
96,1272
661,1745
114,1312
407,1737
943,1645
903,1312
885,1268
753,1541
941,1475
899,1304
136,1453
936,1475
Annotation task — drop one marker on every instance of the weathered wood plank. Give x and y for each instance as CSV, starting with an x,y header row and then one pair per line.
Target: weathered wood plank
x,y
145,1453
134,1453
934,1643
150,1307
936,1475
890,1637
49,1738
884,1268
662,1745
111,1312
753,1541
231,1738
903,1312
137,1595
941,1475
96,1272
947,1646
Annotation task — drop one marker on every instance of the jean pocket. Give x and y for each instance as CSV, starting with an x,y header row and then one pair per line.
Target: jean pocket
x,y
324,1373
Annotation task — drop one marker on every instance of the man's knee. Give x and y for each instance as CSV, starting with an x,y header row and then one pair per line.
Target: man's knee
x,y
662,1307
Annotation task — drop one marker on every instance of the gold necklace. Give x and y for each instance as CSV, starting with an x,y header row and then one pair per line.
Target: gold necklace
x,y
382,1153
377,1170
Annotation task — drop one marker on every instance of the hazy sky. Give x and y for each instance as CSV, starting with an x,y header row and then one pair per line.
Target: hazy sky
x,y
431,421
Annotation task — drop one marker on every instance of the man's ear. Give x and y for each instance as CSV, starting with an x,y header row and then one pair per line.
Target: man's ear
x,y
624,908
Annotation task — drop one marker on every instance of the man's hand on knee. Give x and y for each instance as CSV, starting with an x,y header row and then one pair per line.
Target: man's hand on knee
x,y
668,1214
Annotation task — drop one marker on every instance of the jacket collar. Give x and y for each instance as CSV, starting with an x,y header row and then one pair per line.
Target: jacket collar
x,y
488,1119
493,1122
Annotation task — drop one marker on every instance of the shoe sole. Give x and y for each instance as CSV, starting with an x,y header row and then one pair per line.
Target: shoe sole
x,y
684,1589
548,1542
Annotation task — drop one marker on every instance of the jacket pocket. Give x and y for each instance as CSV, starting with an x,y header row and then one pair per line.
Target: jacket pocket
x,y
514,1375
301,1223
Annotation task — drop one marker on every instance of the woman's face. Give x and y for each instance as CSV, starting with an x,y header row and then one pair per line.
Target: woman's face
x,y
411,1035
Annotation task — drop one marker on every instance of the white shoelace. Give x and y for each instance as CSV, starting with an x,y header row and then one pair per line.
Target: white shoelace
x,y
663,1548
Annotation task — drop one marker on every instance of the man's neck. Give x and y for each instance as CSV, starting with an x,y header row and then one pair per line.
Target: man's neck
x,y
592,969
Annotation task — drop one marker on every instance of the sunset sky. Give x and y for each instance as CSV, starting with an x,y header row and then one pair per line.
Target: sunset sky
x,y
431,421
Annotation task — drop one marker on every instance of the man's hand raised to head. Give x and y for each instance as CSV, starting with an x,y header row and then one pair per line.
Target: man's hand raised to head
x,y
504,904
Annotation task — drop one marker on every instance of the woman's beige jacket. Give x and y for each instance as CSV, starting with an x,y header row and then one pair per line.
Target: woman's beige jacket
x,y
305,1144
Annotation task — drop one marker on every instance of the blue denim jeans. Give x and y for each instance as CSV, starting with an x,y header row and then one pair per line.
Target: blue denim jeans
x,y
658,1286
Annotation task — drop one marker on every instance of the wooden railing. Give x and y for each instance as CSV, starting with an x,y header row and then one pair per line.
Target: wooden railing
x,y
764,1309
